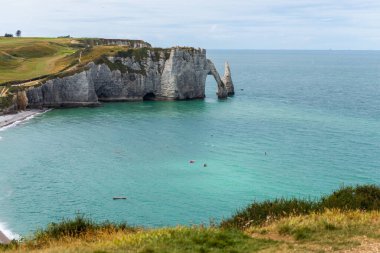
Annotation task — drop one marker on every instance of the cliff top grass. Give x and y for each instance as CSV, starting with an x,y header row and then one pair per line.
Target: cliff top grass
x,y
347,220
24,60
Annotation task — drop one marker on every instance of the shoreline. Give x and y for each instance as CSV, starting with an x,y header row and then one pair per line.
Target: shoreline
x,y
4,239
10,119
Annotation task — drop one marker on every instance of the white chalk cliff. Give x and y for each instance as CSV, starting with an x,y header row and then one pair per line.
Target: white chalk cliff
x,y
160,74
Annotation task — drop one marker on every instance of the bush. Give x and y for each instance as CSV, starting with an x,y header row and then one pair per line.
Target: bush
x,y
365,197
138,53
261,212
6,101
77,227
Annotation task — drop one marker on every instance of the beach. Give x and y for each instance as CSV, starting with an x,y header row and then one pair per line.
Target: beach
x,y
9,119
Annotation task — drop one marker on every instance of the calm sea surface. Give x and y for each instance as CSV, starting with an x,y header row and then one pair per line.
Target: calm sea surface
x,y
315,114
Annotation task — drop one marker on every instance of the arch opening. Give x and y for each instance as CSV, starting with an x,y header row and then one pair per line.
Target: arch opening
x,y
149,96
221,88
211,87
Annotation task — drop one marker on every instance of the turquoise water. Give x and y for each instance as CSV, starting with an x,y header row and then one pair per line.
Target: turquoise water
x,y
316,115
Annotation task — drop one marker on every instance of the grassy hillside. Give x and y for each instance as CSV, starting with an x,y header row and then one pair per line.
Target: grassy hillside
x,y
29,60
26,58
346,221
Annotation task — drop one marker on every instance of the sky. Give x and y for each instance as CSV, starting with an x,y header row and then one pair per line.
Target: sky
x,y
211,24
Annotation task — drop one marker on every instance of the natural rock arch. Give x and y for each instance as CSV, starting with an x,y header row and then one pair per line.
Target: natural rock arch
x,y
222,90
225,84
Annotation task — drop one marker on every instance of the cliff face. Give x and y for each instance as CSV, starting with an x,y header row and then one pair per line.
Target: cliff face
x,y
176,74
72,91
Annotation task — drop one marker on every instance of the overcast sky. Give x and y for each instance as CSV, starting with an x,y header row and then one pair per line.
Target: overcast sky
x,y
240,24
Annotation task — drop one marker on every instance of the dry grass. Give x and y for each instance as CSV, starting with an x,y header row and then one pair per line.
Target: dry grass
x,y
178,239
84,56
332,230
4,91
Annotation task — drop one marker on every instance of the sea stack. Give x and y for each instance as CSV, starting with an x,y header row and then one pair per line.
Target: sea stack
x,y
227,80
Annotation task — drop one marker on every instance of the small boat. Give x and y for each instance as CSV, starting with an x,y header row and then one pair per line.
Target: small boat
x,y
192,161
119,198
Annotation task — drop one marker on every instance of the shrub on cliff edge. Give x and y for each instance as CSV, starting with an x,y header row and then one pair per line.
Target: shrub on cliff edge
x,y
364,197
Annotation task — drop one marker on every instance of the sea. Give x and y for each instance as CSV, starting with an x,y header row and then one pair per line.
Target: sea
x,y
301,124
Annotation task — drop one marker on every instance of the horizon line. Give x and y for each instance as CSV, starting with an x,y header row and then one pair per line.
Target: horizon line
x,y
253,49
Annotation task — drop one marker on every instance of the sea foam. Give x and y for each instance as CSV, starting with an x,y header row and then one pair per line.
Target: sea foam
x,y
8,233
23,120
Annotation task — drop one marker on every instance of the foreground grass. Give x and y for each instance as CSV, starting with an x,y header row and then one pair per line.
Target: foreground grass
x,y
178,239
347,220
364,197
330,231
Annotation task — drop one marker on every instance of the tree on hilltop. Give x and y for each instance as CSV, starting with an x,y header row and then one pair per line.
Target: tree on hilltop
x,y
8,35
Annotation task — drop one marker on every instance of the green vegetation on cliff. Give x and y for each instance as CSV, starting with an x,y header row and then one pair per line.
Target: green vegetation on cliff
x,y
348,219
366,198
26,58
30,61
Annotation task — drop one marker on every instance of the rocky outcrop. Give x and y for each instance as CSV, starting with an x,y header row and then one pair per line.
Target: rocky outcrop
x,y
14,102
72,91
21,100
184,75
227,80
141,74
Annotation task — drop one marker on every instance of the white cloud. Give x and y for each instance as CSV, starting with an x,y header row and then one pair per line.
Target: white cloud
x,y
303,24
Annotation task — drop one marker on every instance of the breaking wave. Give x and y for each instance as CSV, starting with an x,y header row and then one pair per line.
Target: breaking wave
x,y
23,120
8,233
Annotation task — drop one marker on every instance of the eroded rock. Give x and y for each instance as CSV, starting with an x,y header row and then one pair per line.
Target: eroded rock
x,y
227,80
160,75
